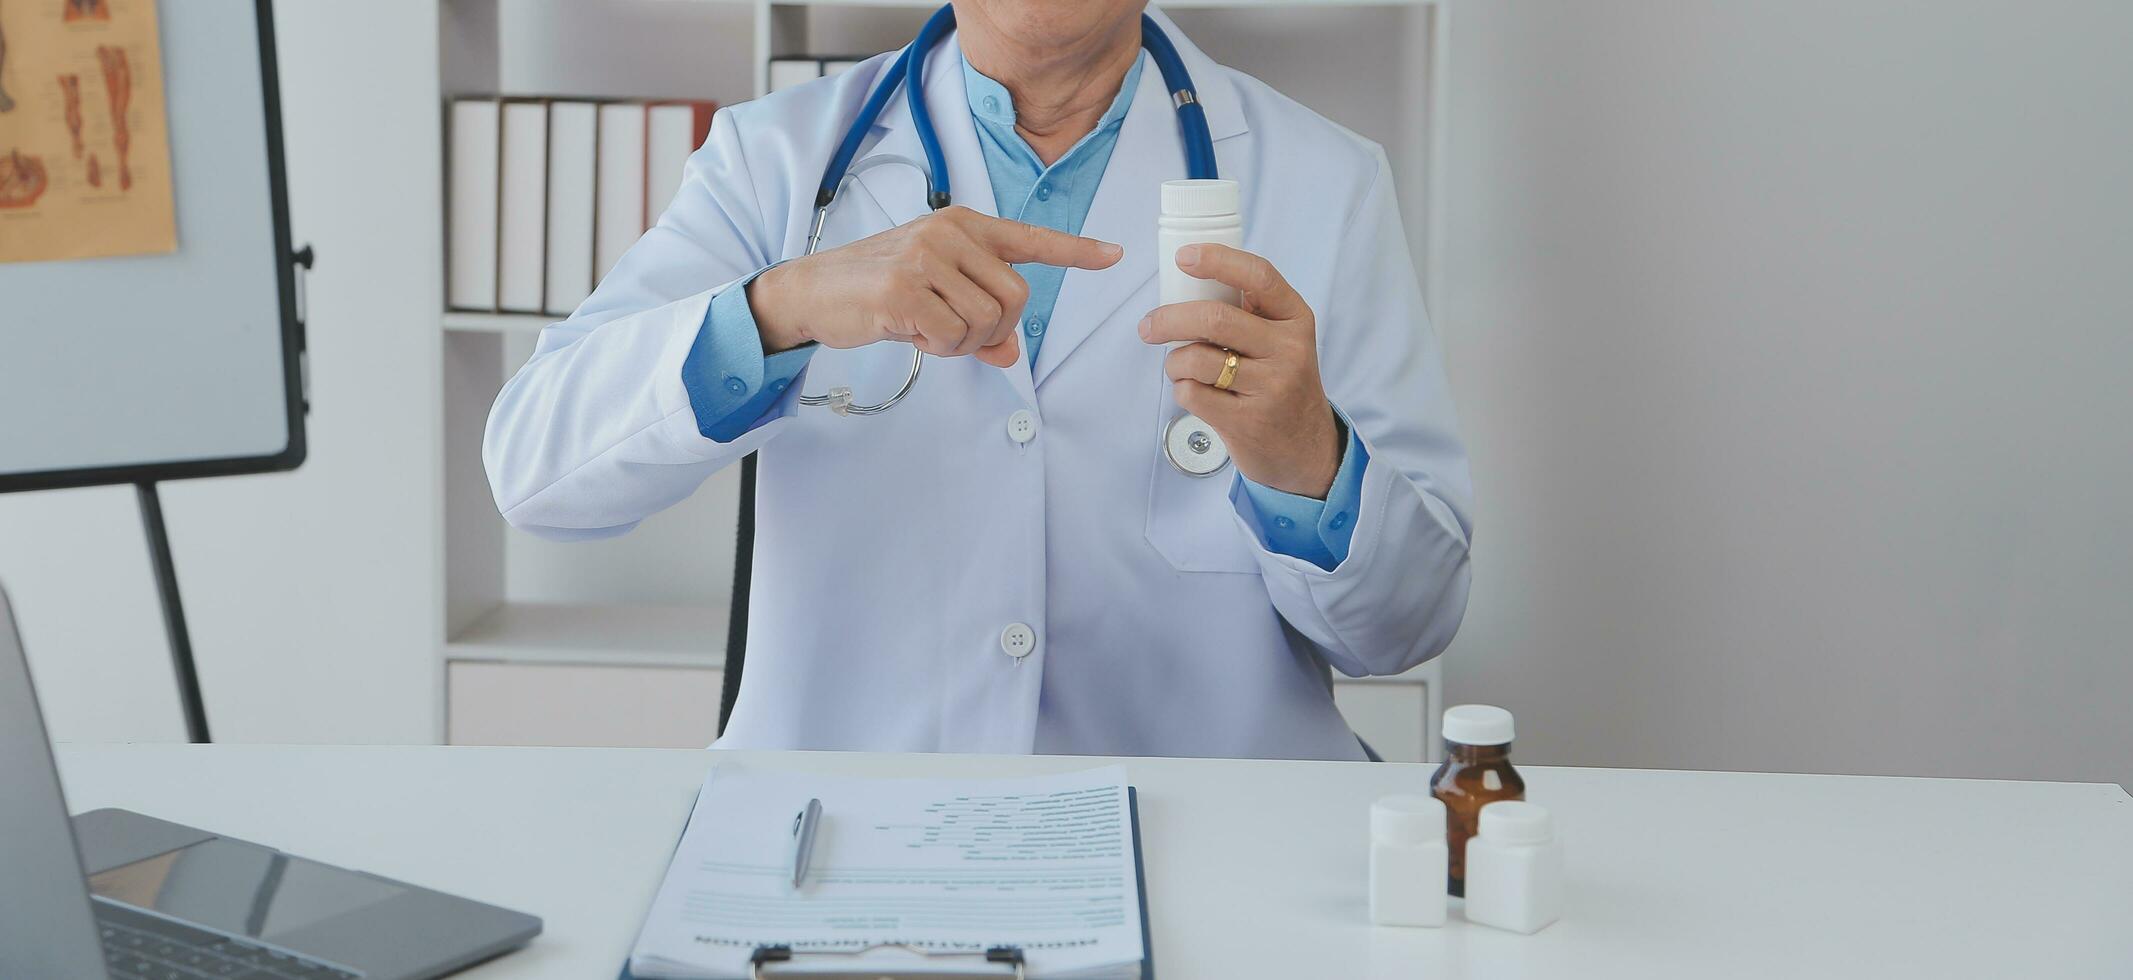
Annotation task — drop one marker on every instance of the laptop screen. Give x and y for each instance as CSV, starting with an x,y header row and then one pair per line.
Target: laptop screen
x,y
46,929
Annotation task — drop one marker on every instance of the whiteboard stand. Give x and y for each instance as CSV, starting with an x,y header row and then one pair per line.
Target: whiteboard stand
x,y
181,640
166,568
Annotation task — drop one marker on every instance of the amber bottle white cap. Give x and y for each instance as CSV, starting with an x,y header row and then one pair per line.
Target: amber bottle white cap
x,y
1477,724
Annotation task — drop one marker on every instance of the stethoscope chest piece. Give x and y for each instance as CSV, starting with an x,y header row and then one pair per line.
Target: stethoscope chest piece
x,y
1193,446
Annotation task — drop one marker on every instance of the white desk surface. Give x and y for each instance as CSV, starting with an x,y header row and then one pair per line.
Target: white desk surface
x,y
1256,869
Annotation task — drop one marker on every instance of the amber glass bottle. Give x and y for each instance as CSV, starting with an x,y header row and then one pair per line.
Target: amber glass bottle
x,y
1476,772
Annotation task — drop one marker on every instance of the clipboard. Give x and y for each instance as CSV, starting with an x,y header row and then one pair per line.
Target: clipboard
x,y
763,963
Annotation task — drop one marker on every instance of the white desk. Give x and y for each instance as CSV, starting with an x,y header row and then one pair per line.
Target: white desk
x,y
1256,869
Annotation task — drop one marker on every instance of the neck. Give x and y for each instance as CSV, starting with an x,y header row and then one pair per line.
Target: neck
x,y
1060,91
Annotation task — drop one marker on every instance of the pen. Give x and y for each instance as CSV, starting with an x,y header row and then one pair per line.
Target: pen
x,y
804,825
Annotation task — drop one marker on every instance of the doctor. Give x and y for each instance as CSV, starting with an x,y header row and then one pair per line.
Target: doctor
x,y
1007,561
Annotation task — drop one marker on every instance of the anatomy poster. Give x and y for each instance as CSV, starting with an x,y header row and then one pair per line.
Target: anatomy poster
x,y
84,145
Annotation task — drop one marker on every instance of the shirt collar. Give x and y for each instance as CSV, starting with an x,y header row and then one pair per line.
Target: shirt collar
x,y
989,100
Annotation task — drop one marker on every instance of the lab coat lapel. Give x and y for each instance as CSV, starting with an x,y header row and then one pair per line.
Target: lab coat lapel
x,y
903,195
1129,199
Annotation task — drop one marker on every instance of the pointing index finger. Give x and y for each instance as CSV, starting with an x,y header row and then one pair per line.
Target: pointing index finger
x,y
1014,241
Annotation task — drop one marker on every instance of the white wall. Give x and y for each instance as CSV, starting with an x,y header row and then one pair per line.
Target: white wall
x,y
1792,339
312,595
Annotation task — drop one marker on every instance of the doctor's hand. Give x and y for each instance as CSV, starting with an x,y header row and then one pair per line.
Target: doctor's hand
x,y
942,282
1275,417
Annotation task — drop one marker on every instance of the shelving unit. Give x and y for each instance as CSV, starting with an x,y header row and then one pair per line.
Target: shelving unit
x,y
590,643
529,324
594,634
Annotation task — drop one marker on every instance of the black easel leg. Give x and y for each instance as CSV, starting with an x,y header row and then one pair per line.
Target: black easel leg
x,y
181,643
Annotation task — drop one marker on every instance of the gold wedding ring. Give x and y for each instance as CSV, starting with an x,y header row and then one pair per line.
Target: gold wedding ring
x,y
1229,372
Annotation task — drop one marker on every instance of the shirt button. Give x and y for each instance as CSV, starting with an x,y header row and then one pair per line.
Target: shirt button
x,y
736,385
1044,192
1035,326
1022,426
992,104
1284,523
1018,640
1340,520
779,385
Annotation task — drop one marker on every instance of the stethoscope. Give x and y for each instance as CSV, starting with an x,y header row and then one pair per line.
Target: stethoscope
x,y
1192,445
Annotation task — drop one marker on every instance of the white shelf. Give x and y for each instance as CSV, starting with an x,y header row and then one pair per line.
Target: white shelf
x,y
598,634
509,323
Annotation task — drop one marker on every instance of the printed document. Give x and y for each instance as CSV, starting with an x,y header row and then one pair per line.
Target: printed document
x,y
902,868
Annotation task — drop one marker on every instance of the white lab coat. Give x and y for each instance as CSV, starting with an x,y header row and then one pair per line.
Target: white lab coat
x,y
893,551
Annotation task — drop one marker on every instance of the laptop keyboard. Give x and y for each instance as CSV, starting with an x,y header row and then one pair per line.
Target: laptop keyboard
x,y
139,946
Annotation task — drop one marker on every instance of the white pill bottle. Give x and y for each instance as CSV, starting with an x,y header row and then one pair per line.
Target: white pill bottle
x,y
1407,861
1196,212
1514,868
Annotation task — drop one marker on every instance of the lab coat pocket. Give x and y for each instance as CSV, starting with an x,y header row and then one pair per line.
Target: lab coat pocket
x,y
1192,521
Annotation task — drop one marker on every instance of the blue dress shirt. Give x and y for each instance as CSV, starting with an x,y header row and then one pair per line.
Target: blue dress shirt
x,y
1026,190
732,385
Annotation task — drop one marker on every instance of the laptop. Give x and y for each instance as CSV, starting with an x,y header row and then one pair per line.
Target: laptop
x,y
114,895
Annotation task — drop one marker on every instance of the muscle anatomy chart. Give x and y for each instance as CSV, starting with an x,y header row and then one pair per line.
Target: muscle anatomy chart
x,y
6,104
118,87
21,180
84,136
87,10
70,89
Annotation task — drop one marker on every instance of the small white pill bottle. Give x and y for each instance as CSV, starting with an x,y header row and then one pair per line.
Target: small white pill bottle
x,y
1195,212
1514,868
1407,861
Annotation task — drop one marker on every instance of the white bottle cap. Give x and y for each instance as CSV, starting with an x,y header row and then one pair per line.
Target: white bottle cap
x,y
1199,198
1516,822
1477,724
1407,818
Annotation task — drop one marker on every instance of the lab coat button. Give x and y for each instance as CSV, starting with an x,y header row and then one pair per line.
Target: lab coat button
x,y
1018,640
1022,426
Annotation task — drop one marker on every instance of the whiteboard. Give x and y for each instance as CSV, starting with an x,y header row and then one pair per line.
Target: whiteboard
x,y
184,364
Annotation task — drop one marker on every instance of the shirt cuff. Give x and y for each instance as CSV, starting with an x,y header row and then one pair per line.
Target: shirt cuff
x,y
732,386
1316,531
